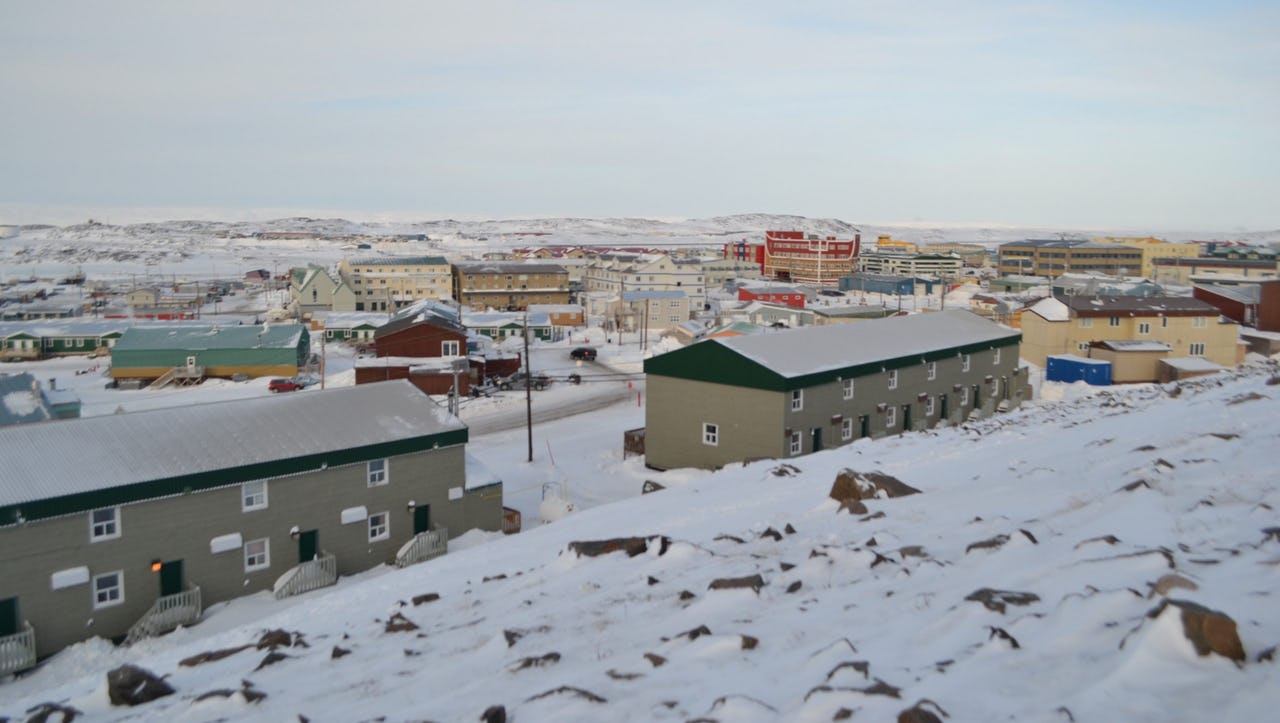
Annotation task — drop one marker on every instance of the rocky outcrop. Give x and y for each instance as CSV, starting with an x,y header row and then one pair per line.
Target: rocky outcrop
x,y
131,685
1208,630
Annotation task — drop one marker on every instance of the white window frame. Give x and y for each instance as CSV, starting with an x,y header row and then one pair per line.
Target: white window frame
x,y
797,443
249,500
848,389
846,428
449,347
893,378
891,417
964,362
1113,321
711,434
377,477
1144,327
797,400
379,526
1198,322
928,406
257,559
995,356
964,396
110,529
118,589
1086,322
933,371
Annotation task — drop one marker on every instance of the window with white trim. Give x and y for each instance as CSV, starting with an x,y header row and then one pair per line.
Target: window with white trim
x,y
933,371
710,434
848,389
108,589
253,495
257,555
846,428
1144,327
891,417
449,347
1113,321
104,524
1086,322
797,400
964,395
1197,348
797,443
964,362
1198,322
377,472
379,526
893,379
995,356
928,406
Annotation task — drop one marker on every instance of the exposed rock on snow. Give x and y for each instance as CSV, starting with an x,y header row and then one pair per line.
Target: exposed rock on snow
x,y
1208,630
131,685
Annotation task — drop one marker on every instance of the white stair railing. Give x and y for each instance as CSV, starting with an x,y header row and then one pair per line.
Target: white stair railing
x,y
307,576
166,614
423,546
18,651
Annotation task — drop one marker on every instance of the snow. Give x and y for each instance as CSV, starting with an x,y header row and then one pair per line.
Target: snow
x,y
887,588
1050,309
225,543
21,404
69,577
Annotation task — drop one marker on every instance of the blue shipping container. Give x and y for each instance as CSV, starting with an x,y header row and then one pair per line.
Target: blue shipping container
x,y
1071,368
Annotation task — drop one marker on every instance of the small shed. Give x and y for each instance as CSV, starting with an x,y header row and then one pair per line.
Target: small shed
x,y
1132,360
1071,368
1172,370
432,375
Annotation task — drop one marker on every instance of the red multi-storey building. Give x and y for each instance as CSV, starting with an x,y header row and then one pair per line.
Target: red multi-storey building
x,y
800,257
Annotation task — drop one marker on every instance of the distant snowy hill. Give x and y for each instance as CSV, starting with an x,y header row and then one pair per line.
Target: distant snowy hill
x,y
1023,582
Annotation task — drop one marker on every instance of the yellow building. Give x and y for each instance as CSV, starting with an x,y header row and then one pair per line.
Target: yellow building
x,y
386,283
885,243
1055,257
1153,248
509,285
1067,325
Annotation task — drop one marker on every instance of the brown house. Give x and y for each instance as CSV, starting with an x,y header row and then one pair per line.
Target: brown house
x,y
511,286
426,329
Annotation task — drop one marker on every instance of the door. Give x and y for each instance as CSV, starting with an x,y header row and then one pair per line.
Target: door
x,y
421,519
191,362
864,426
817,439
8,616
977,396
308,545
943,408
170,578
906,417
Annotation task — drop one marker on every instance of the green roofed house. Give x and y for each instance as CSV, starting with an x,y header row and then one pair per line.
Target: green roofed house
x,y
160,513
193,352
792,392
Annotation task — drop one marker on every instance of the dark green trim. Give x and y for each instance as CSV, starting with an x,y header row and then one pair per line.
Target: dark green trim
x,y
212,479
711,361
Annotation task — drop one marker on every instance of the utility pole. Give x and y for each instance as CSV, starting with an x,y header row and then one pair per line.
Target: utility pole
x,y
528,385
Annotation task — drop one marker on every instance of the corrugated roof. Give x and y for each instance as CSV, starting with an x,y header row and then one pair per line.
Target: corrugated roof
x,y
1243,293
814,349
44,461
205,336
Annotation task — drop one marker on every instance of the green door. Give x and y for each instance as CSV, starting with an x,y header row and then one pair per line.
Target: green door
x,y
170,578
308,545
944,406
817,439
8,616
864,425
421,519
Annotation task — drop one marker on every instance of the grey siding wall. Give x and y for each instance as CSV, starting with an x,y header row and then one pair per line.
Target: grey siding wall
x,y
180,528
756,424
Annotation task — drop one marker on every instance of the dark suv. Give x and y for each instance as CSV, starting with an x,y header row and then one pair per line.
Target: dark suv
x,y
585,353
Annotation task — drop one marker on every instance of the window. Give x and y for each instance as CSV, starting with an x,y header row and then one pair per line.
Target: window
x,y
891,417
108,589
1083,346
995,357
846,428
253,495
893,379
964,362
104,524
1197,348
257,555
675,303
932,371
797,443
379,527
964,395
797,400
1144,327
1113,321
710,434
449,347
1164,322
848,389
1197,322
377,472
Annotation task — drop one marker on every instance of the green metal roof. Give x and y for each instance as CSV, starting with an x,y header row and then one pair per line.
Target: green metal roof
x,y
266,336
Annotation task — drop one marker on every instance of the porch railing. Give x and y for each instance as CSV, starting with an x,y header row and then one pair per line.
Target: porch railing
x,y
423,546
18,651
307,576
166,614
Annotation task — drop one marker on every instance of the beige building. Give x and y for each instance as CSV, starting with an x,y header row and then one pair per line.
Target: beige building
x,y
716,272
1152,249
621,273
1070,324
509,285
389,283
1055,257
312,289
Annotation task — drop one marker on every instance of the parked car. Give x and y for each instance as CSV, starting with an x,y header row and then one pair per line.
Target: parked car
x,y
585,353
284,385
520,380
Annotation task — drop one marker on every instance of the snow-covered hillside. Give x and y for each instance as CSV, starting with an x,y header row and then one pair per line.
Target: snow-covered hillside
x,y
1018,584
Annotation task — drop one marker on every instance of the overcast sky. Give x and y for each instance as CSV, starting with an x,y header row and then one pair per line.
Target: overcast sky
x,y
1162,114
